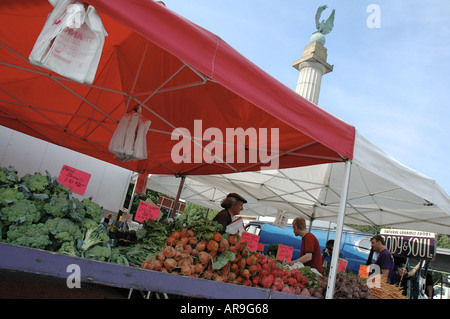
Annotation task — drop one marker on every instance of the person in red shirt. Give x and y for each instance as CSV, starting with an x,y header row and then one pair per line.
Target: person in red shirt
x,y
310,253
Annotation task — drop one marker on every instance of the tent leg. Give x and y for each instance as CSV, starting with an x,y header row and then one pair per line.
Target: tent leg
x,y
177,199
132,198
340,226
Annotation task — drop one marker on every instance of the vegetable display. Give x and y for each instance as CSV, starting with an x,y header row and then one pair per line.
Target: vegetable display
x,y
383,290
37,211
227,259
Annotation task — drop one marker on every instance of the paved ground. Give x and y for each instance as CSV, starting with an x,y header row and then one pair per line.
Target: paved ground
x,y
22,285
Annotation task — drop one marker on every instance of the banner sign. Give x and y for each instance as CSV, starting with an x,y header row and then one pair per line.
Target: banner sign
x,y
410,243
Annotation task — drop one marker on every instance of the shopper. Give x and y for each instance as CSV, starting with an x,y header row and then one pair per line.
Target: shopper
x,y
385,260
310,254
233,204
327,254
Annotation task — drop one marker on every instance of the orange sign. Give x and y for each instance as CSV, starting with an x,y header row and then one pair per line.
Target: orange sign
x,y
364,271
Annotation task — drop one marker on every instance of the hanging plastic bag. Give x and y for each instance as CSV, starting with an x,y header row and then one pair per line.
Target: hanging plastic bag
x,y
140,144
129,141
71,41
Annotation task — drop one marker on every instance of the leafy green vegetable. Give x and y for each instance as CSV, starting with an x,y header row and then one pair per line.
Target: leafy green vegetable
x,y
64,230
20,212
35,183
58,205
29,235
69,248
100,253
93,210
138,253
272,250
223,259
94,236
8,176
10,195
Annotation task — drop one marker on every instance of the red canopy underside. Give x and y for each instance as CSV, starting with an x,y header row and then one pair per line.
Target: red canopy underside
x,y
178,72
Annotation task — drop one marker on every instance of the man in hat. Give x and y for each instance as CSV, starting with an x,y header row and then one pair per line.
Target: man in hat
x,y
232,204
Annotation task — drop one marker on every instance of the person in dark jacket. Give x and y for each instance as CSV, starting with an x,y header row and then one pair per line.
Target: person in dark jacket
x,y
232,205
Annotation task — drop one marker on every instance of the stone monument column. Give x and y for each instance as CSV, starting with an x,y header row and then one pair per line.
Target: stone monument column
x,y
313,63
312,66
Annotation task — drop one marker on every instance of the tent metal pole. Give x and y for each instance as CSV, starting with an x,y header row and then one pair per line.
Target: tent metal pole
x,y
177,199
132,196
340,226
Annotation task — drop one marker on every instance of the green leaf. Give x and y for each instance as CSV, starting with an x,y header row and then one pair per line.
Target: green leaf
x,y
223,259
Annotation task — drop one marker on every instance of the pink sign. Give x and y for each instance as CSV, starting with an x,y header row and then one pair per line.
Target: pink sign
x,y
74,179
146,211
251,240
285,253
342,265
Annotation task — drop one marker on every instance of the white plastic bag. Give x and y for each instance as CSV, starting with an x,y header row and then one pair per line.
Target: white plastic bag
x,y
140,144
129,141
71,41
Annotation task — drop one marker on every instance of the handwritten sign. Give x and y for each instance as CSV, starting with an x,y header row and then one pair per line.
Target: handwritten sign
x,y
364,271
285,253
260,247
342,265
251,240
146,211
74,179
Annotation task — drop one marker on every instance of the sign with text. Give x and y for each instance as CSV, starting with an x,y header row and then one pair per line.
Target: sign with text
x,y
285,253
342,265
74,179
251,240
146,211
364,271
410,243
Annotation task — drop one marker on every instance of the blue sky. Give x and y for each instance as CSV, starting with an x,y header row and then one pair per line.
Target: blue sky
x,y
391,83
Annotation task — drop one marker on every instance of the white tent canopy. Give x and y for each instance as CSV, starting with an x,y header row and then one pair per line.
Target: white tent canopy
x,y
381,192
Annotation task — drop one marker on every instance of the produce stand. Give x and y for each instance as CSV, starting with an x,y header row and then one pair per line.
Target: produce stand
x,y
43,262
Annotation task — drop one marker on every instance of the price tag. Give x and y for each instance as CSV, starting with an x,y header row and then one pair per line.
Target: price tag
x,y
146,211
74,179
285,253
342,265
251,240
364,271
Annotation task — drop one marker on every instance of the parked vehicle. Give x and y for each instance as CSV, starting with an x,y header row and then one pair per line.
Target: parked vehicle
x,y
441,292
355,245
